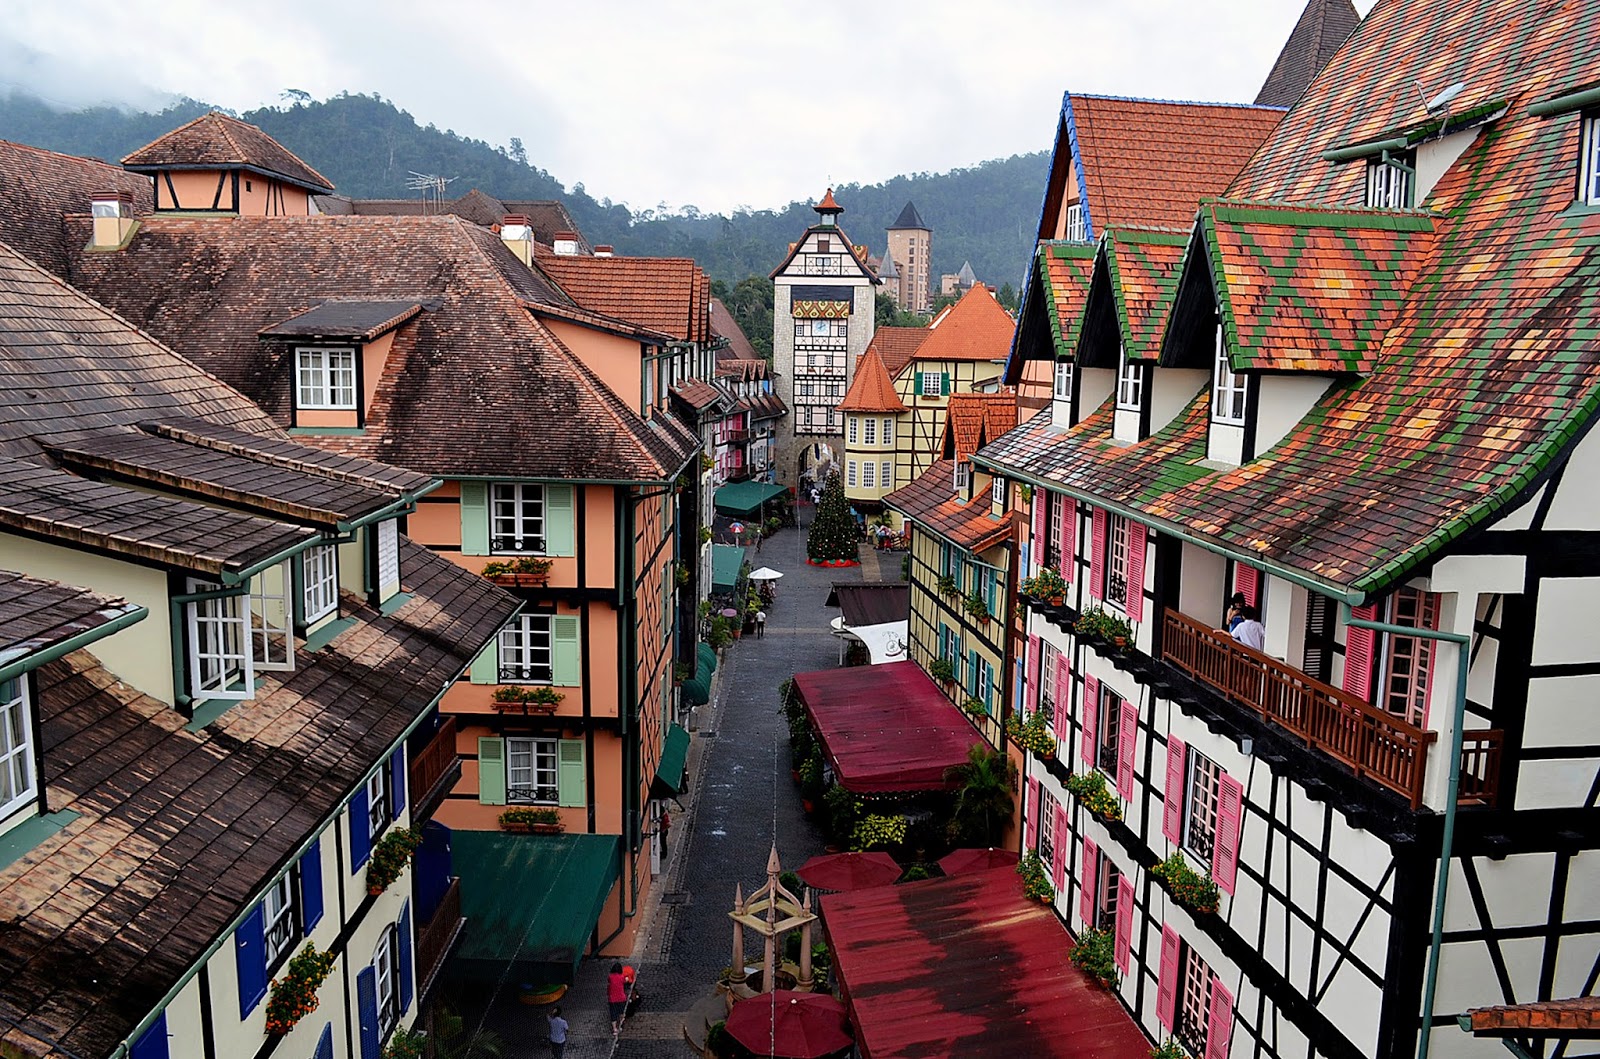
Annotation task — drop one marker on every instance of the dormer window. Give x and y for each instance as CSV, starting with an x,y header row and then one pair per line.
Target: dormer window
x,y
997,493
220,662
319,590
1227,387
1076,231
1063,380
1589,162
963,475
325,378
18,777
1389,181
1130,385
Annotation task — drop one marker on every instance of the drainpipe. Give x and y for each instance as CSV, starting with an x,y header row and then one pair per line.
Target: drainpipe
x,y
1442,884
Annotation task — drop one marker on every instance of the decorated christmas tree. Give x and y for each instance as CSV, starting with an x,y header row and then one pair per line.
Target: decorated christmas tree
x,y
833,531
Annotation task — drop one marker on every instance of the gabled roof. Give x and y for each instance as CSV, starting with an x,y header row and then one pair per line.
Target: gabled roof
x,y
857,254
545,216
872,389
975,328
725,327
897,345
966,277
1322,27
351,318
36,614
1135,277
216,141
39,188
972,420
909,218
931,501
697,394
669,295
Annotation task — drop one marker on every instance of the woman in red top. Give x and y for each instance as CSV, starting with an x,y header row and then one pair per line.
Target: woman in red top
x,y
616,996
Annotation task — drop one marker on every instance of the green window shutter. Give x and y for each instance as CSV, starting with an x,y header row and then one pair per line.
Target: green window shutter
x,y
491,771
486,667
569,774
944,384
559,531
916,384
564,667
474,518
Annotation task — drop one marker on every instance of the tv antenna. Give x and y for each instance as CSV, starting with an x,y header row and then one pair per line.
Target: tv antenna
x,y
431,187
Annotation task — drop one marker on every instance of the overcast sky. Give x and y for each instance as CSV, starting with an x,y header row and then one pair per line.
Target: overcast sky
x,y
718,103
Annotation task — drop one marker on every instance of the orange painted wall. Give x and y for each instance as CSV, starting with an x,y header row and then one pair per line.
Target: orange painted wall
x,y
196,190
261,196
373,356
616,360
324,417
600,534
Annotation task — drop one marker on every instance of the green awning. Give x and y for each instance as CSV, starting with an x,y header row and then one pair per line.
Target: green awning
x,y
671,773
726,562
696,690
707,664
744,499
532,900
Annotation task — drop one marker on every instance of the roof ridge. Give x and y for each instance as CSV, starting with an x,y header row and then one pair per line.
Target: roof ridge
x,y
1170,102
113,166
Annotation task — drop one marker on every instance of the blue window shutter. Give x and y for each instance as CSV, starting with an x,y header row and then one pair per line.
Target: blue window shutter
x,y
367,1011
311,885
152,1043
360,830
397,781
405,957
325,1043
250,955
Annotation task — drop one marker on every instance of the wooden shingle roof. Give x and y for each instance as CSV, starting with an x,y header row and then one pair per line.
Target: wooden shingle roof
x,y
217,141
36,614
39,188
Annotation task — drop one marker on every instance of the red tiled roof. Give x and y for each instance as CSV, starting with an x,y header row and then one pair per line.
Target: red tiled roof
x,y
215,141
931,500
827,203
975,328
724,326
1150,162
666,294
972,420
872,390
1546,1018
966,967
38,188
897,345
697,393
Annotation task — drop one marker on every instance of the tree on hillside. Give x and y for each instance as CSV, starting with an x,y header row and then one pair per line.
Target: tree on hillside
x,y
887,313
833,533
1008,297
750,303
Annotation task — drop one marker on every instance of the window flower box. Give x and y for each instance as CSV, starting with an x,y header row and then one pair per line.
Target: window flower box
x,y
1097,625
1048,587
527,701
1187,886
947,585
976,607
1032,735
390,855
294,996
943,670
523,821
1095,951
1035,878
1090,790
526,572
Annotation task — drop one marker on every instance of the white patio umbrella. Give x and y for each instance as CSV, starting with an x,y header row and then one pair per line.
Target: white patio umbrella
x,y
766,573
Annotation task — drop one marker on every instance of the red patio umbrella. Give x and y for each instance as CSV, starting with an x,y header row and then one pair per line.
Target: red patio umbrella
x,y
841,872
965,860
790,1024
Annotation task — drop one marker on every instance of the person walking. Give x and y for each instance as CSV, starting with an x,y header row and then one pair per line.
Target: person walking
x,y
558,1034
616,997
761,625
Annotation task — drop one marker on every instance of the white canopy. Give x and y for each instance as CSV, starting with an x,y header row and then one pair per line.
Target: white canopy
x,y
885,643
766,573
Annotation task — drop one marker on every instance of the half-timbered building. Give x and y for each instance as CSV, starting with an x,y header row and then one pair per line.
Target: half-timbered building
x,y
1357,393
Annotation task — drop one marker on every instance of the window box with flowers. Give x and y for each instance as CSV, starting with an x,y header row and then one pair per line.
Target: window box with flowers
x,y
525,821
390,855
1169,1049
943,670
1046,587
1032,735
526,572
526,700
1096,625
1096,952
948,586
294,996
1035,878
1187,886
1090,790
407,1044
976,607
974,707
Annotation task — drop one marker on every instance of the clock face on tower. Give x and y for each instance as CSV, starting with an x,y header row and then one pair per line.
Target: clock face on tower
x,y
819,328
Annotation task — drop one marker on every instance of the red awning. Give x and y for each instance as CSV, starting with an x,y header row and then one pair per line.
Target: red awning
x,y
967,966
886,728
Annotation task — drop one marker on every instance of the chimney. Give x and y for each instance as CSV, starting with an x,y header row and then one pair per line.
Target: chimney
x,y
603,251
566,243
517,234
113,219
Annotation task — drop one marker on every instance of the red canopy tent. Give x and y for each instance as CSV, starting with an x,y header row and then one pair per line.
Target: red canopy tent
x,y
967,966
965,860
790,1024
887,728
841,872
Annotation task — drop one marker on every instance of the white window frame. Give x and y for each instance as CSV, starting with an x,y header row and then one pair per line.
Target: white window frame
x,y
1076,231
932,383
1056,534
869,474
522,655
1108,738
1228,392
518,514
1117,531
852,424
1047,681
19,779
1589,161
1063,384
386,978
1108,875
325,378
1130,383
1192,1019
888,430
886,474
380,803
279,918
221,665
850,473
1044,834
272,619
997,491
1202,788
869,431
535,749
1388,185
963,474
319,590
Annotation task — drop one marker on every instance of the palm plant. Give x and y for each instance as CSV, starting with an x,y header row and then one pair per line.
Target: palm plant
x,y
984,798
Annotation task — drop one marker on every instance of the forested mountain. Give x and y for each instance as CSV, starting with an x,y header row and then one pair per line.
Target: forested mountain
x,y
367,146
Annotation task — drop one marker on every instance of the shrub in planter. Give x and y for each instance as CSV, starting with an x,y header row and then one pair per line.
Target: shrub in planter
x,y
943,670
1096,953
543,699
406,1044
1169,1049
680,573
1032,735
1035,878
1189,888
705,535
974,707
843,808
811,775
947,585
294,996
1090,789
916,873
976,607
878,832
1048,585
1097,624
390,855
791,882
522,818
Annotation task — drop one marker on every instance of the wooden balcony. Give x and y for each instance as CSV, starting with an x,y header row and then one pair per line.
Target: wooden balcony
x,y
434,771
1375,744
438,936
1480,767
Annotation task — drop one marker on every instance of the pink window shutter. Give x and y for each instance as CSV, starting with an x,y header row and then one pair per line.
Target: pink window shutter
x,y
1124,937
1127,737
1167,984
1358,647
1060,866
1137,540
1172,813
1031,824
1247,579
1225,850
1069,538
1091,718
1097,554
1219,1021
1063,696
1034,653
1041,502
1090,879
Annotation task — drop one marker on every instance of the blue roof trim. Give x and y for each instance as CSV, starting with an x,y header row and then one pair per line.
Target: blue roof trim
x,y
1083,185
1022,303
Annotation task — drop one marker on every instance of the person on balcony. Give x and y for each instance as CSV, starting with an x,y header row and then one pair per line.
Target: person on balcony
x,y
1248,630
1236,605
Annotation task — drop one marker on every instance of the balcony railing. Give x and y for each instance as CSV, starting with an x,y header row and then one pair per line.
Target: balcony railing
x,y
436,938
736,437
1374,743
436,761
1480,766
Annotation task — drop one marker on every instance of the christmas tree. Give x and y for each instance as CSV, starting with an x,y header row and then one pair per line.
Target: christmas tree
x,y
833,531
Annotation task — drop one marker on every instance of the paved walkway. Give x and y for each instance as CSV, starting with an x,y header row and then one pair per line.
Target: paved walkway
x,y
740,799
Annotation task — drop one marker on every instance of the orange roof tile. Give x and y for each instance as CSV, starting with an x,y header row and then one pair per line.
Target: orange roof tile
x,y
666,294
897,345
932,501
1539,1019
827,204
872,390
972,420
975,328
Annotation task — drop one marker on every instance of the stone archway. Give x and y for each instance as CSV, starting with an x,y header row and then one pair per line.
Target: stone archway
x,y
817,461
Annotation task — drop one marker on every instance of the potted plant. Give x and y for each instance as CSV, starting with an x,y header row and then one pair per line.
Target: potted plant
x,y
406,1044
680,573
294,996
1169,1049
873,831
680,672
1032,735
974,707
1189,888
811,780
529,571
975,606
1090,790
1046,586
390,855
1096,624
1096,952
525,820
705,536
943,670
947,585
510,698
1035,878
706,462
843,810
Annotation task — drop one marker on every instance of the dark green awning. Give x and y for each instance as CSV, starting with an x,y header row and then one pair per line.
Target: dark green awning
x,y
707,664
726,562
697,690
531,899
671,773
744,499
